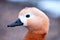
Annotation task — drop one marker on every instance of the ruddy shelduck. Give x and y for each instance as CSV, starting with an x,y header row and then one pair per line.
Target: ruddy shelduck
x,y
36,21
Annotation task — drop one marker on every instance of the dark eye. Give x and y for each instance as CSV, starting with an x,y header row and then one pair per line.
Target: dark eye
x,y
27,15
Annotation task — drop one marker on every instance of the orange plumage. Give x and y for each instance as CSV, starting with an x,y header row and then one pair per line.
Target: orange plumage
x,y
37,26
34,36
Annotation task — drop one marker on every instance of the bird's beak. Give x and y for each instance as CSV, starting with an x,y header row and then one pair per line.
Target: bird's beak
x,y
16,23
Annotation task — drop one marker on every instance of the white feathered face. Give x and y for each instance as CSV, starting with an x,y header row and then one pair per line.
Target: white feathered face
x,y
25,17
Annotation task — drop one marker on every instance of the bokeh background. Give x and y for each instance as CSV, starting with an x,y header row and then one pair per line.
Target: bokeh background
x,y
9,10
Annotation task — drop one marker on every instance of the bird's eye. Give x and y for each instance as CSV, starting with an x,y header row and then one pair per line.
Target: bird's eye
x,y
27,16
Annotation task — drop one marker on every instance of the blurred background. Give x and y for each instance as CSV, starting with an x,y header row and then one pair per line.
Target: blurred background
x,y
9,10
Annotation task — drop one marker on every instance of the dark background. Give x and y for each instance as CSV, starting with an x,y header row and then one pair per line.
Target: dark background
x,y
9,12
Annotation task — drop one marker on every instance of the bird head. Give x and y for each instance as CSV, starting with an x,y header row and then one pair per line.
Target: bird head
x,y
32,18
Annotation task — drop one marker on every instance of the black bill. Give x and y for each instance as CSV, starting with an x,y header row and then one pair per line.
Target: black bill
x,y
16,23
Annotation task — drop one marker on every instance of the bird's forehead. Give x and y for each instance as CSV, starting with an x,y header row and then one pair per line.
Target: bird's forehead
x,y
34,11
28,12
24,11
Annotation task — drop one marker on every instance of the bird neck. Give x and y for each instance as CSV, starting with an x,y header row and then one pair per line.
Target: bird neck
x,y
34,36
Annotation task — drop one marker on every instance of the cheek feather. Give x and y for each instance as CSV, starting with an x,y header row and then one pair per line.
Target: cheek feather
x,y
23,19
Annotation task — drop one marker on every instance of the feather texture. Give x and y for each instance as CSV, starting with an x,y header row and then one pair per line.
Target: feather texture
x,y
34,36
